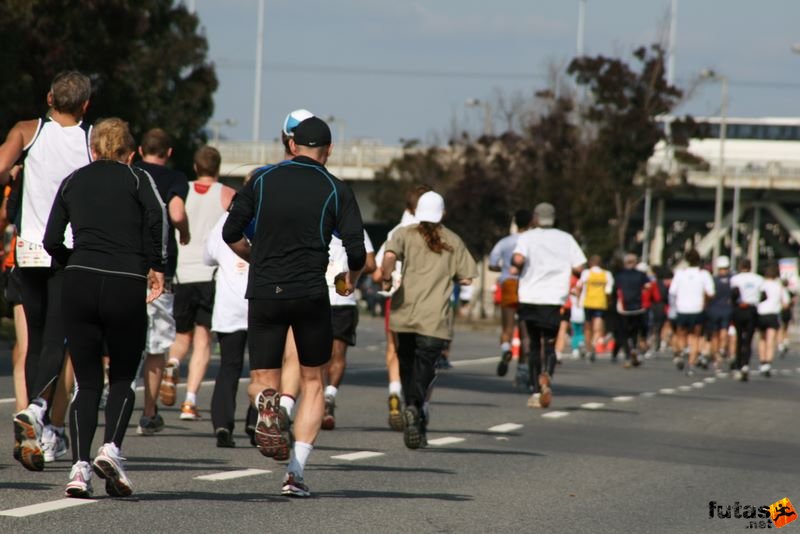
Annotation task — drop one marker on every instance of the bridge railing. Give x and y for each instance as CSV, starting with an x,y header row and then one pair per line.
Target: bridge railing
x,y
355,154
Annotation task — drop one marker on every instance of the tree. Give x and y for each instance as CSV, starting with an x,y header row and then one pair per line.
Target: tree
x,y
146,59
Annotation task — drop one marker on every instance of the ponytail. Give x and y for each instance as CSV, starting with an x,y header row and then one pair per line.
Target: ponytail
x,y
430,233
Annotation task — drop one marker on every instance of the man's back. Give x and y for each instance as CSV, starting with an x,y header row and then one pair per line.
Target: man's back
x,y
501,255
630,283
204,207
550,255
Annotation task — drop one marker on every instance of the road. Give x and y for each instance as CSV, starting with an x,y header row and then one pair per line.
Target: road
x,y
642,450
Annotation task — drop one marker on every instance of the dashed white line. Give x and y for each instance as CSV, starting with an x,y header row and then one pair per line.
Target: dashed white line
x,y
477,361
666,391
7,401
786,372
722,374
229,475
622,398
709,380
555,415
592,405
360,455
505,427
698,385
685,388
647,394
449,440
41,508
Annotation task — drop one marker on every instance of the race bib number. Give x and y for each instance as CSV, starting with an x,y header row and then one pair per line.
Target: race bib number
x,y
31,254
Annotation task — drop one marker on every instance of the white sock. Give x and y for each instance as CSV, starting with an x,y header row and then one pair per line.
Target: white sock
x,y
191,398
287,401
395,388
505,346
300,454
330,391
112,448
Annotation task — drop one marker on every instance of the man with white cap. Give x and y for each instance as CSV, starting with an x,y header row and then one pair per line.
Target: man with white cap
x,y
719,313
433,258
546,258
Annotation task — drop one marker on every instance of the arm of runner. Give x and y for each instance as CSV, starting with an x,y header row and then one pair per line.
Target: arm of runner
x,y
177,215
53,240
466,268
495,259
239,216
351,230
12,147
155,217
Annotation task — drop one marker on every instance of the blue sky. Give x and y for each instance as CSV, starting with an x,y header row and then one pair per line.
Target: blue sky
x,y
403,68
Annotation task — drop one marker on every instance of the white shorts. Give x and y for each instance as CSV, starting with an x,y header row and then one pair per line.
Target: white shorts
x,y
160,324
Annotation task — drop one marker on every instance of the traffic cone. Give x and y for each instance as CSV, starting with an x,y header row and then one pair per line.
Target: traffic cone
x,y
516,343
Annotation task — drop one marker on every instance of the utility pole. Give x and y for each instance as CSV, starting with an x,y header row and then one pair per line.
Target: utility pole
x,y
258,69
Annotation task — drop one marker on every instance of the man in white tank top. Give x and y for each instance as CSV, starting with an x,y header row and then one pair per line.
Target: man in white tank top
x,y
207,201
54,147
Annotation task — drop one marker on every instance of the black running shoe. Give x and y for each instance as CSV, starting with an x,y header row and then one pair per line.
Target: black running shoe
x,y
412,434
502,367
329,419
224,438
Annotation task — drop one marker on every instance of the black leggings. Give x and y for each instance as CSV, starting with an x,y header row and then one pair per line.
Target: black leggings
x,y
632,325
41,299
223,401
744,320
417,355
543,351
100,308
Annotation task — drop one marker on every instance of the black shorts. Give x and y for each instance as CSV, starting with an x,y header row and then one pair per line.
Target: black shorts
x,y
593,313
786,316
194,304
717,320
13,288
269,320
769,320
345,320
689,320
542,316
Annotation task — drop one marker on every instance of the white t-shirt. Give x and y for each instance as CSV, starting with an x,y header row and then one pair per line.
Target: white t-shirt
x,y
337,263
750,285
690,287
230,306
501,256
550,256
776,298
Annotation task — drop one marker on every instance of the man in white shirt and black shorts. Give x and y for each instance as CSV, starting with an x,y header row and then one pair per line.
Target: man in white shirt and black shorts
x,y
546,258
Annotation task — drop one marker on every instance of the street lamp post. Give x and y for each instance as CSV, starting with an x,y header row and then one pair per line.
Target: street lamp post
x,y
340,139
216,126
718,199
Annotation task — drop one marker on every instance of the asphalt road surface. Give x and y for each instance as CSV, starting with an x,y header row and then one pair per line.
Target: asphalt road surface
x,y
642,450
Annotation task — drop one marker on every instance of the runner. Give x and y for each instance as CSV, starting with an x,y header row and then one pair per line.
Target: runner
x,y
392,364
718,315
596,285
156,150
433,257
631,284
296,205
194,292
746,293
691,287
120,249
786,320
53,146
229,322
769,311
546,258
344,317
500,261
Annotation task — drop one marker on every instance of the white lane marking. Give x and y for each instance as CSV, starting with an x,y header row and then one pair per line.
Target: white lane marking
x,y
41,508
722,374
622,398
360,455
505,427
592,405
449,440
666,391
698,385
709,380
685,388
555,415
647,394
228,475
501,438
786,372
798,369
477,361
6,401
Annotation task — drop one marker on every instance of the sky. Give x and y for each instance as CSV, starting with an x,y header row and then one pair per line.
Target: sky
x,y
403,69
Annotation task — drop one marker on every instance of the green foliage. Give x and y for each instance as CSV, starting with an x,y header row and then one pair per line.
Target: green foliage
x,y
146,60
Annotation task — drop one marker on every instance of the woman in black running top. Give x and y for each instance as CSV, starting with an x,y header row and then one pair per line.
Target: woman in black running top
x,y
119,226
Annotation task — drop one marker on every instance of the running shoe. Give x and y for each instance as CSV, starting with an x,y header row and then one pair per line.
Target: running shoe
x,y
329,419
28,430
294,486
169,385
703,361
765,370
534,401
679,362
224,438
413,432
502,367
522,380
395,413
271,430
443,363
189,412
17,449
743,373
54,444
150,425
108,465
80,481
544,388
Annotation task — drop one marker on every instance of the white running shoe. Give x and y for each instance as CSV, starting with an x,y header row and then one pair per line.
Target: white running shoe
x,y
108,465
80,481
28,428
534,401
54,444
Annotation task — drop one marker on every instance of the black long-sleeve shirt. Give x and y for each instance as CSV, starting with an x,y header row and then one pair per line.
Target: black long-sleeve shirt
x,y
297,205
119,222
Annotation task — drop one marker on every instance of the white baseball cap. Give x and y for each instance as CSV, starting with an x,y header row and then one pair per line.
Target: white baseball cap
x,y
293,119
430,208
723,262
